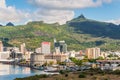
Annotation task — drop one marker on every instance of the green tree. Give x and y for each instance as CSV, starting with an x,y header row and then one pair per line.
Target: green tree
x,y
100,58
79,62
51,63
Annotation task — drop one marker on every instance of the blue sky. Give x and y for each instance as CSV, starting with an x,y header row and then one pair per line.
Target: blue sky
x,y
51,11
103,12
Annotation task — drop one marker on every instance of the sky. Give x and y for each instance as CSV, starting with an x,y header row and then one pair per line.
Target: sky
x,y
52,11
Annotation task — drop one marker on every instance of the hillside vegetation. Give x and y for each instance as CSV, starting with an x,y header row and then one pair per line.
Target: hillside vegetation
x,y
78,33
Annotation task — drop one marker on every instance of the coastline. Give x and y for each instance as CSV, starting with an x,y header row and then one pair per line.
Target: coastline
x,y
78,75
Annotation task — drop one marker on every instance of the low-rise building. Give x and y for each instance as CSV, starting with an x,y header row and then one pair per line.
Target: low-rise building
x,y
38,59
58,57
4,55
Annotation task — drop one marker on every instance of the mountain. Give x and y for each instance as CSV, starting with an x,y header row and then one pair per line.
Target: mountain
x,y
82,25
9,24
79,33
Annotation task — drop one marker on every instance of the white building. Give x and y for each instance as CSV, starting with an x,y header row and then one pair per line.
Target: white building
x,y
71,54
27,55
38,50
4,55
45,47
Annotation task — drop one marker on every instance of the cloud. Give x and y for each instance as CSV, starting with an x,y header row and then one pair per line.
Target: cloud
x,y
11,14
67,4
61,11
49,11
117,21
53,16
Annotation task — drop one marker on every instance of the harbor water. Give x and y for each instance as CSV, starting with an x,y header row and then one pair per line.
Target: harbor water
x,y
10,72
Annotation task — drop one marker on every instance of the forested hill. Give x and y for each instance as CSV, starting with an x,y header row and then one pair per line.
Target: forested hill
x,y
83,25
78,33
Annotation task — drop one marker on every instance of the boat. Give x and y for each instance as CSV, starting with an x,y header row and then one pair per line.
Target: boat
x,y
7,61
38,67
51,69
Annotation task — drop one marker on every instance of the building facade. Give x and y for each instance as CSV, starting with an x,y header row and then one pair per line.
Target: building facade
x,y
37,59
57,57
38,50
45,47
23,48
60,47
92,53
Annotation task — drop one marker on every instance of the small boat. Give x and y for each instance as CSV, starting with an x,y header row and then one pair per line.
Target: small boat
x,y
38,67
51,69
7,61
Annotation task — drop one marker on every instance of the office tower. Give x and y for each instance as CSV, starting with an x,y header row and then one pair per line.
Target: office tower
x,y
57,47
60,47
63,46
45,47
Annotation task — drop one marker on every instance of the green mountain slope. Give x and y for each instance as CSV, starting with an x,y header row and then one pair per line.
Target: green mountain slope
x,y
95,28
78,33
33,34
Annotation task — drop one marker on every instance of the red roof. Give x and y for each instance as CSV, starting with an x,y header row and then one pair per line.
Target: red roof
x,y
46,43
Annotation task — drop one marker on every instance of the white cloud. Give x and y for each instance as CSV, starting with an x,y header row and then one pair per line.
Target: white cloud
x,y
49,11
67,4
11,14
61,11
117,21
52,16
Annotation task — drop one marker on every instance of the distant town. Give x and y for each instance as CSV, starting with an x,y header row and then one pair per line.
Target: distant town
x,y
43,57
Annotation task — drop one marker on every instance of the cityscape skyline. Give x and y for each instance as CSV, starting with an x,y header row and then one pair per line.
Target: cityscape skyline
x,y
23,11
73,39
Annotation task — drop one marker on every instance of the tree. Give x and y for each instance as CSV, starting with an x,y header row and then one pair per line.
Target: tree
x,y
92,60
100,58
79,62
51,62
111,55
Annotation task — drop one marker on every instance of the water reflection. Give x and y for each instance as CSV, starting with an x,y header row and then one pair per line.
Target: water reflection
x,y
10,72
6,69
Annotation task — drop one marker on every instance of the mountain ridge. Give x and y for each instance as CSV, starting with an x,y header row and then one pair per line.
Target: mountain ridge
x,y
78,34
95,28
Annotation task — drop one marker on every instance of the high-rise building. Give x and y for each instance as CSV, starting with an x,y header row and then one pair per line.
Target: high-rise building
x,y
45,47
63,46
1,46
23,48
60,47
92,53
57,47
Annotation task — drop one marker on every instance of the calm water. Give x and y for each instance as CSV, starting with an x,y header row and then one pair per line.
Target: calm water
x,y
10,72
